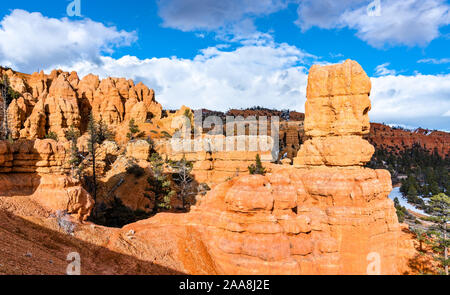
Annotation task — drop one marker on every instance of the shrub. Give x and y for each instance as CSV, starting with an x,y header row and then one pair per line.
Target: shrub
x,y
64,223
52,135
257,168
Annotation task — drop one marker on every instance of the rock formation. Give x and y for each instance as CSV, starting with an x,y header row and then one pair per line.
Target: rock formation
x,y
324,215
35,169
212,166
394,139
336,117
52,103
329,216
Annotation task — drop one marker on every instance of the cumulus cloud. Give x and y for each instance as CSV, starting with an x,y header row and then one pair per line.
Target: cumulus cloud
x,y
231,16
273,75
406,22
418,100
266,74
29,41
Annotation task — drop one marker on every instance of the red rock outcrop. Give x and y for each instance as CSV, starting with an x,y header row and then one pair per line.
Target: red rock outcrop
x,y
52,103
33,171
331,216
396,140
336,117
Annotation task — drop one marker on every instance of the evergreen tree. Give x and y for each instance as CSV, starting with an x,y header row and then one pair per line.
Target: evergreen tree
x,y
133,131
160,184
434,188
75,160
92,147
257,168
439,207
103,132
183,179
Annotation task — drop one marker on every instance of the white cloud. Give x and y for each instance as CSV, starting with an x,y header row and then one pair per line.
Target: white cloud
x,y
259,72
435,61
265,74
418,100
382,70
29,41
226,17
273,75
406,22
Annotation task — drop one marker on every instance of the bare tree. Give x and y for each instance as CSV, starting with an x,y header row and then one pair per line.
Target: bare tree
x,y
183,179
4,87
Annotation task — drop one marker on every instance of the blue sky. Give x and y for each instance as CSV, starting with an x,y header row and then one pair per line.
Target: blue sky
x,y
241,53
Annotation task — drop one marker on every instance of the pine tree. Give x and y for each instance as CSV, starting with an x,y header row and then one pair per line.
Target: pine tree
x,y
439,207
103,132
134,131
76,159
92,146
183,179
257,168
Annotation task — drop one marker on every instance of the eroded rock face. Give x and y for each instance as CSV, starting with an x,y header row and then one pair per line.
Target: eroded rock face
x,y
213,166
30,193
396,140
292,221
331,216
29,156
54,102
33,171
336,117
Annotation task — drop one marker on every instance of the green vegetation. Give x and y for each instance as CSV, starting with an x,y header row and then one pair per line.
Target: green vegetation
x,y
76,158
402,213
133,131
52,135
439,208
160,184
424,179
257,168
104,133
11,94
421,174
